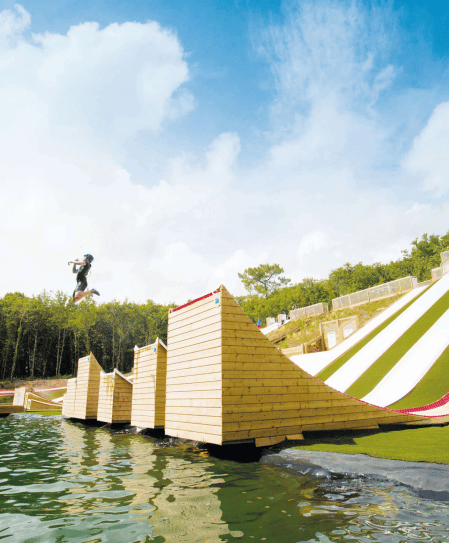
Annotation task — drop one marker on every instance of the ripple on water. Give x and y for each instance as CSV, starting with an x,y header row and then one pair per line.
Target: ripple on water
x,y
66,482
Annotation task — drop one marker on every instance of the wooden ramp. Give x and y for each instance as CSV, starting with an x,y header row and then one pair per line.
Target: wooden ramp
x,y
81,401
149,378
68,403
227,383
32,401
7,409
114,398
34,404
20,395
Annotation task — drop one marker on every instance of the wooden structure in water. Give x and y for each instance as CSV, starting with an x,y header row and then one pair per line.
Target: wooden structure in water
x,y
35,404
149,380
32,401
227,383
20,395
114,398
81,400
7,409
68,403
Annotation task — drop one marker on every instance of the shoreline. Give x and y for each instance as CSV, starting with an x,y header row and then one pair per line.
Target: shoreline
x,y
428,480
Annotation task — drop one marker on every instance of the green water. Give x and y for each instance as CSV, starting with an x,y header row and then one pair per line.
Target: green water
x,y
61,481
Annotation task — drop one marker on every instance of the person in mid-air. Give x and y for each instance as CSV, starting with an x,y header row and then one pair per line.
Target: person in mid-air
x,y
81,278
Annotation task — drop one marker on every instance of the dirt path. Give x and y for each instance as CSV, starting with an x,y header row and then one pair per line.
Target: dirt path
x,y
36,384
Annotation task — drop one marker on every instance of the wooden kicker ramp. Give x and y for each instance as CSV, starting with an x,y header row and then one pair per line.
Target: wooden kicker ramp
x,y
138,398
114,398
81,400
227,383
148,396
32,401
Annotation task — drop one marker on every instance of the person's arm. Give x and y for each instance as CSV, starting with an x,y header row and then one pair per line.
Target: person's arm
x,y
75,264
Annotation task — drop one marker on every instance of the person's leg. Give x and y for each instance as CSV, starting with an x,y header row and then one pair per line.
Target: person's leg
x,y
79,294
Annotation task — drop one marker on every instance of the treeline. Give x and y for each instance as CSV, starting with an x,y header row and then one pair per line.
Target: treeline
x,y
419,261
43,336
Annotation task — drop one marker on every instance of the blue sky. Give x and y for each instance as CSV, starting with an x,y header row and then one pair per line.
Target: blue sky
x,y
183,142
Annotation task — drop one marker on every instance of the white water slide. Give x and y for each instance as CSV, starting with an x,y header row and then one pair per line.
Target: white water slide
x,y
313,363
343,378
412,367
270,328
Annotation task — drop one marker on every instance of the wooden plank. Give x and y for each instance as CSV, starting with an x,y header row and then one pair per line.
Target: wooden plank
x,y
197,330
268,441
195,309
7,409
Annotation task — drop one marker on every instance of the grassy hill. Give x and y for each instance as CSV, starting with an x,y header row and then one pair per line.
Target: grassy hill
x,y
310,326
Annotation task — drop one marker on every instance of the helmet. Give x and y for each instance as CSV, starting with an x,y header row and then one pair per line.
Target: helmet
x,y
89,258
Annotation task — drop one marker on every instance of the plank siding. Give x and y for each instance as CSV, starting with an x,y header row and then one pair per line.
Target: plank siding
x,y
227,382
31,397
38,405
20,396
114,398
87,388
194,371
68,404
283,400
24,396
149,380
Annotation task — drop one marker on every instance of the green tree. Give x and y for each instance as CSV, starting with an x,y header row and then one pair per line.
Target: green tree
x,y
265,279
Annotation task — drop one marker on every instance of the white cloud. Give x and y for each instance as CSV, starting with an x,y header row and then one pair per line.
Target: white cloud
x,y
428,159
328,48
12,24
314,242
69,104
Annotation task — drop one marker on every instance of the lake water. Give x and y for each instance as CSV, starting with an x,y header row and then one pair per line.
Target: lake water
x,y
62,482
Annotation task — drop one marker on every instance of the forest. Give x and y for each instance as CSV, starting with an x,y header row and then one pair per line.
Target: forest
x,y
43,336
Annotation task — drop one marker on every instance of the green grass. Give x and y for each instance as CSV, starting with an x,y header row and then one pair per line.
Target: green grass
x,y
52,394
433,386
413,445
377,371
310,326
6,399
341,360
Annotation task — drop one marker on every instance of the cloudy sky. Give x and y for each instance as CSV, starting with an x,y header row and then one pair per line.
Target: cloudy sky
x,y
182,142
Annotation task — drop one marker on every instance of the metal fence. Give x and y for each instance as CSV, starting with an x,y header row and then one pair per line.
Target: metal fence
x,y
375,293
310,310
444,262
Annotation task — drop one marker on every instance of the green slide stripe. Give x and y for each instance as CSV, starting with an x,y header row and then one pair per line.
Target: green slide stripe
x,y
433,386
377,371
342,359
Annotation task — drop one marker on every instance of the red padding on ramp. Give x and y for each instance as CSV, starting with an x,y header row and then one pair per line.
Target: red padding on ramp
x,y
197,300
442,401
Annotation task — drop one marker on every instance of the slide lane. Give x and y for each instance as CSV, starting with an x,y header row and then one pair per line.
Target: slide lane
x,y
270,328
343,378
412,367
313,363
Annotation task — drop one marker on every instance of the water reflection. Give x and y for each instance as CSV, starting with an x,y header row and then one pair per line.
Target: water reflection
x,y
63,482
